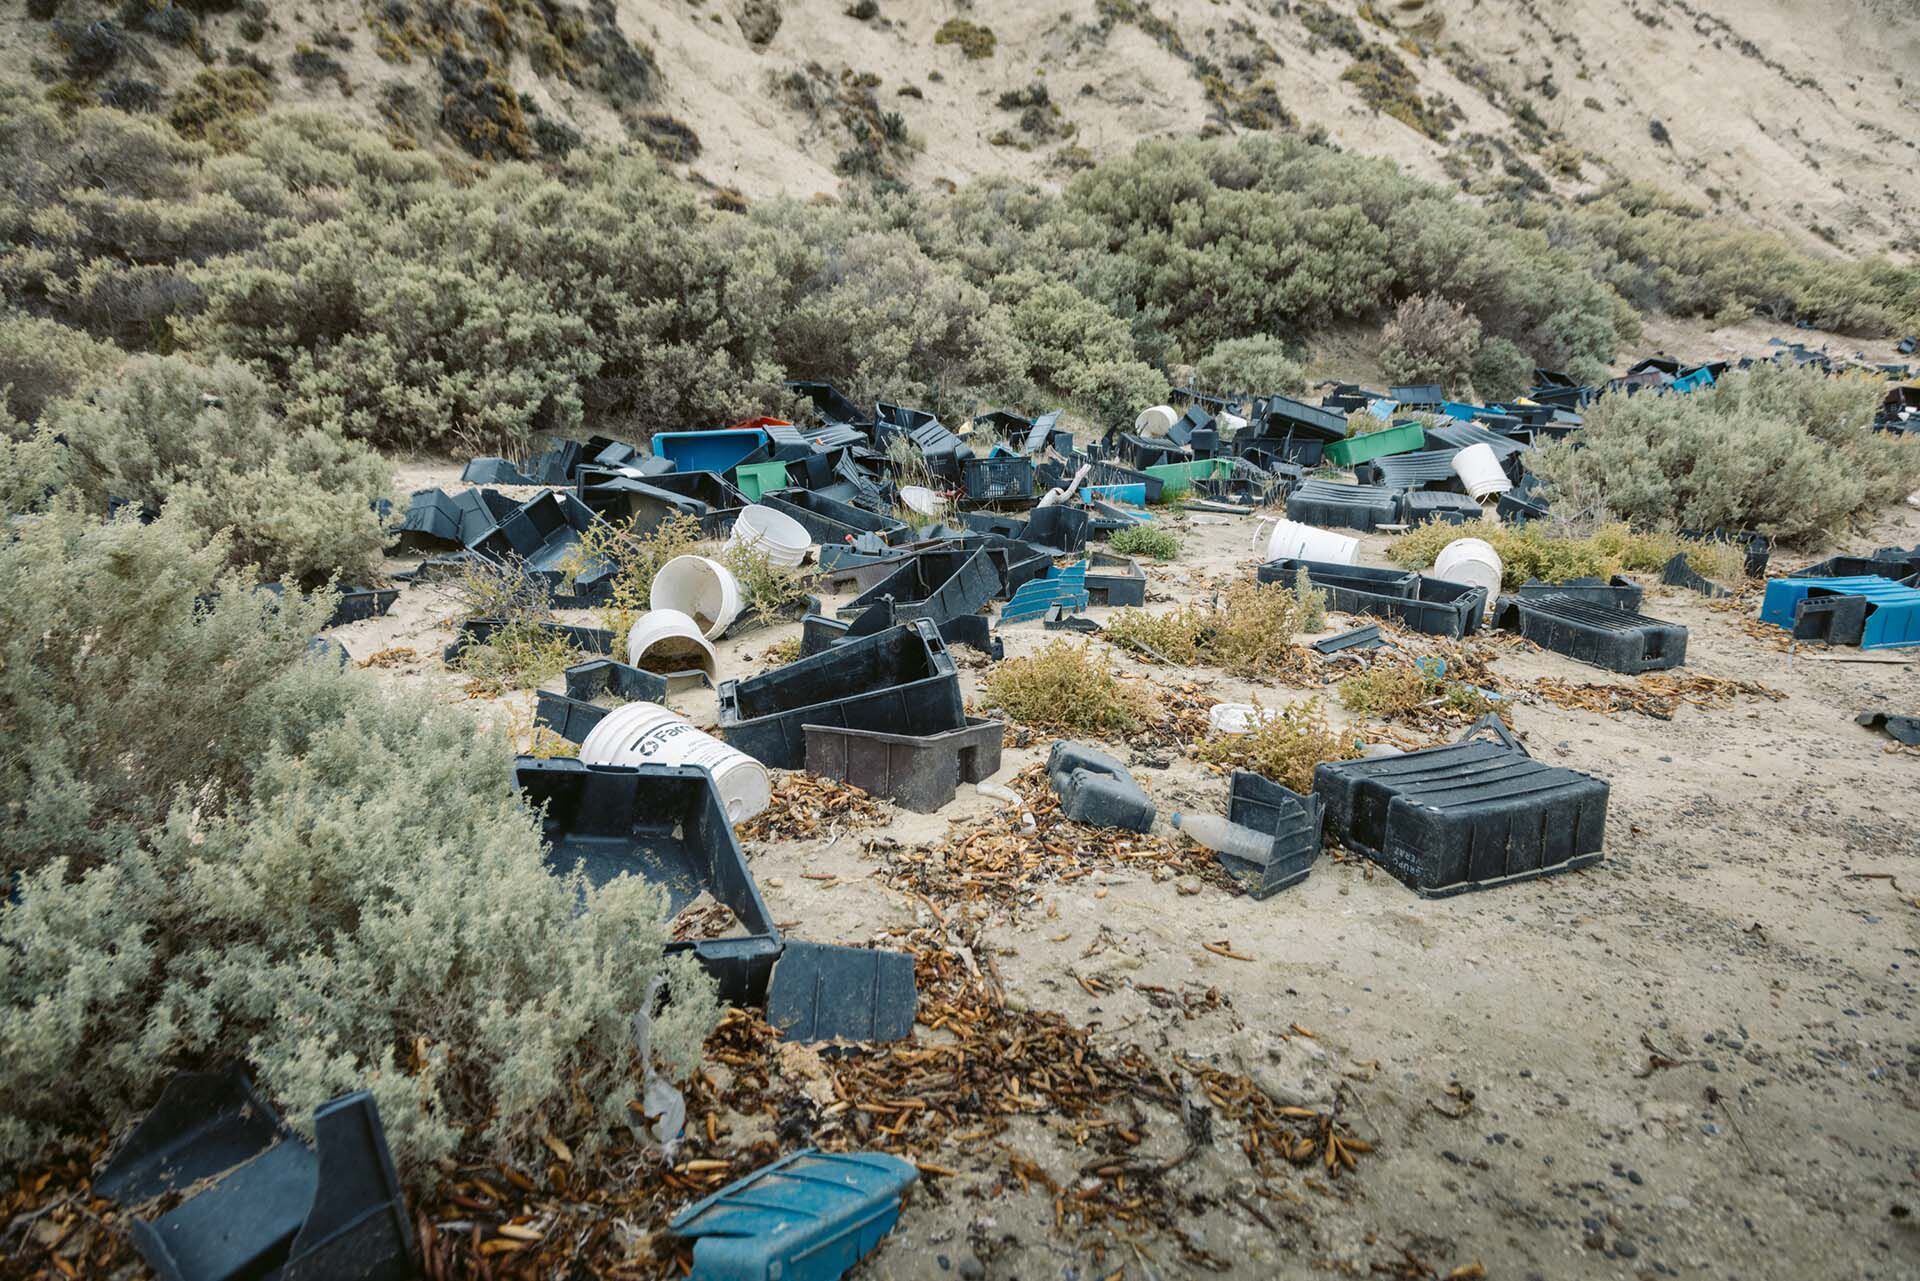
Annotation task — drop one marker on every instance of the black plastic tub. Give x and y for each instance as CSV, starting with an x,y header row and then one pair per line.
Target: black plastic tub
x,y
900,681
827,520
940,585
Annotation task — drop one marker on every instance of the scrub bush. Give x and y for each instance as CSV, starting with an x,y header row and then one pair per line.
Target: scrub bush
x,y
1145,540
1064,687
1430,340
1284,748
41,360
1790,452
223,850
297,503
1259,365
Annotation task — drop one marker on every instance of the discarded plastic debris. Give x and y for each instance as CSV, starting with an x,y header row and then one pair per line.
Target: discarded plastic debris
x,y
666,640
1360,638
1480,471
1465,816
1882,614
1902,729
571,718
478,631
1291,540
668,825
1063,589
1616,593
1288,825
647,733
900,681
940,585
827,520
1472,561
542,534
777,535
1679,573
604,676
920,499
707,450
826,992
1096,789
1361,507
916,772
247,1198
1615,639
807,1217
1240,718
495,471
1434,606
1115,581
702,589
1400,438
1223,836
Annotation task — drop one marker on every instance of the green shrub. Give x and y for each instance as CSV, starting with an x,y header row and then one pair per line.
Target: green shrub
x,y
1501,371
200,440
973,39
1066,688
1787,451
226,850
1430,340
1530,552
1284,748
1145,540
1412,690
1258,364
1246,631
41,360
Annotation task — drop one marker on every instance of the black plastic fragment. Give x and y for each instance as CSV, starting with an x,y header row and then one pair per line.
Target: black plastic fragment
x,y
571,718
1902,729
497,471
1096,789
940,585
1335,506
826,992
1292,820
1837,620
604,676
1679,573
1367,637
478,631
916,772
246,1198
1615,593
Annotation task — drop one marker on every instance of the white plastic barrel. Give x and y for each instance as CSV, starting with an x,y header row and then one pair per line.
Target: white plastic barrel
x,y
1231,424
703,589
921,499
781,538
649,734
1471,561
1294,541
1480,469
1155,421
668,640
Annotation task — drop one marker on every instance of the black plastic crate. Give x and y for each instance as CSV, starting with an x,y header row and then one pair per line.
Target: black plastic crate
x,y
1423,507
827,520
1434,606
1361,578
1614,593
1335,506
1115,580
666,824
1421,469
916,772
571,718
1292,820
1616,639
993,479
940,585
1466,816
901,681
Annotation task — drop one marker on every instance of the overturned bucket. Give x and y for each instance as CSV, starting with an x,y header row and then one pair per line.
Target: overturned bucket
x,y
775,535
1155,421
703,589
1479,469
649,734
1471,561
1291,540
666,640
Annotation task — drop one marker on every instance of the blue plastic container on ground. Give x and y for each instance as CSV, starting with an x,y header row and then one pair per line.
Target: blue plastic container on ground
x,y
1893,610
807,1217
707,450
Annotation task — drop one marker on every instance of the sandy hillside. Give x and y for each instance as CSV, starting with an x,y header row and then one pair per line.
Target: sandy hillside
x,y
1796,115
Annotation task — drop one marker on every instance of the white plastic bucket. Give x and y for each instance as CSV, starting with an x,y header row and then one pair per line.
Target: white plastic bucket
x,y
1239,718
1471,561
1155,421
921,499
704,590
668,640
649,734
1294,541
1480,469
1231,424
781,538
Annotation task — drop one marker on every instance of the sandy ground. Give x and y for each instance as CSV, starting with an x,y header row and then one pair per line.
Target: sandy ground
x,y
1733,928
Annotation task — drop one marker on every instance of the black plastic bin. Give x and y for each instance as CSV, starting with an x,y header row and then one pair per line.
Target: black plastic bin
x,y
1335,506
901,681
1616,639
940,585
1614,593
916,772
667,825
996,478
1466,816
1432,606
827,520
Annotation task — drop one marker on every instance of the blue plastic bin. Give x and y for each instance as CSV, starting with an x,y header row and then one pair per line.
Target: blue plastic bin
x,y
707,450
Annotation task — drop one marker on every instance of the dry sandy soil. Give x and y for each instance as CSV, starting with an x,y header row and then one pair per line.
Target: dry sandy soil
x,y
1695,1059
1799,116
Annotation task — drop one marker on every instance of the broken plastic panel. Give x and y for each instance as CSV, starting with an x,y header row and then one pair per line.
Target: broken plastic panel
x,y
827,992
247,1200
1616,639
1290,819
940,585
916,772
1096,789
827,520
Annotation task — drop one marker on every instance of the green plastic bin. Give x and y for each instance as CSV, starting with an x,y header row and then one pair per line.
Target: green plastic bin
x,y
755,479
1399,439
1179,477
